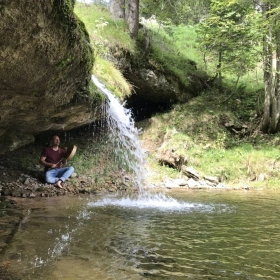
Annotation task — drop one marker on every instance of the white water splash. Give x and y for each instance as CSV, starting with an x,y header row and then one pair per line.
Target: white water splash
x,y
124,135
160,202
62,242
152,201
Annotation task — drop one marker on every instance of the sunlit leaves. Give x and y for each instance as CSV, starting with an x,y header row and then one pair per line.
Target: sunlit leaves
x,y
175,11
231,32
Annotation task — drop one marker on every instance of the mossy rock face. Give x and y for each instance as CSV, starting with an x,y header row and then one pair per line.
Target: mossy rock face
x,y
154,84
45,70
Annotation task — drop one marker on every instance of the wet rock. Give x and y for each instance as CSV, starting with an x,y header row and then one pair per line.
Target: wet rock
x,y
261,177
170,158
16,193
171,184
6,191
193,183
223,186
82,190
112,189
74,175
212,179
181,182
190,172
27,181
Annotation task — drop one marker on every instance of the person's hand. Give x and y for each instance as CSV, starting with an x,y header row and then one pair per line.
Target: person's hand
x,y
53,165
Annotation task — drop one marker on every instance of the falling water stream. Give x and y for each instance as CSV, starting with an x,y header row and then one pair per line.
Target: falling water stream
x,y
181,235
123,135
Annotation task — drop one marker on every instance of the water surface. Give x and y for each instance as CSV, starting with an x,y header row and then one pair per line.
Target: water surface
x,y
193,235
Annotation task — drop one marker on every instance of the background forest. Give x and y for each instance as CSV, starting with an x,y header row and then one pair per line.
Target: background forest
x,y
231,129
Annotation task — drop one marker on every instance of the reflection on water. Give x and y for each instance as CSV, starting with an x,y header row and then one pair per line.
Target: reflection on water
x,y
198,235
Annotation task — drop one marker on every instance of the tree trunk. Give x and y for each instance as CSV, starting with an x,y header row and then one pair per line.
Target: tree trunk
x,y
266,125
132,17
117,9
219,71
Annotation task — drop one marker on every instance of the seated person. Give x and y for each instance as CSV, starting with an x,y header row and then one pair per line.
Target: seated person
x,y
53,159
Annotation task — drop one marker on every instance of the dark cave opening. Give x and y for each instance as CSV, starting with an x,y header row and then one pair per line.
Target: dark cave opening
x,y
142,109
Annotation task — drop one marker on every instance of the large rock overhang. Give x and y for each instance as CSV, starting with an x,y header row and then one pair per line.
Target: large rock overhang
x,y
45,70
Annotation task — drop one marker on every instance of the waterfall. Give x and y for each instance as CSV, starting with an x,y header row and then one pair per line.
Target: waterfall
x,y
125,138
123,135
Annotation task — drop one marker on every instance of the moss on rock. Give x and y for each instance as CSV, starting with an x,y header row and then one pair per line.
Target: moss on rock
x,y
45,70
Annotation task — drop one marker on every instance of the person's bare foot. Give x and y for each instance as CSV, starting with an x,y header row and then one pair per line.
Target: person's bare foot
x,y
59,184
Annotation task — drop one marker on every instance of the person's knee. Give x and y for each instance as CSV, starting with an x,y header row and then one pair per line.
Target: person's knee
x,y
49,179
71,169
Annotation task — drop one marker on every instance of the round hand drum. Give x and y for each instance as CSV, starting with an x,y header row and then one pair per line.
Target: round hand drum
x,y
70,152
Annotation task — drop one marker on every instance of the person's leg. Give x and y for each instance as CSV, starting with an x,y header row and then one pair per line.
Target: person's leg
x,y
65,172
51,176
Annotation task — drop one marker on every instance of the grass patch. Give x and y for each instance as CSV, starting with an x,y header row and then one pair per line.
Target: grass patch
x,y
114,79
102,28
198,133
246,163
159,173
173,49
107,37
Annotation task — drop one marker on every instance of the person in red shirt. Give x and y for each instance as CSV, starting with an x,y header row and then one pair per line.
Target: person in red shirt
x,y
53,159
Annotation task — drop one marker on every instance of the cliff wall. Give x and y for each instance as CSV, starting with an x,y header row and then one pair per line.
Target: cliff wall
x,y
45,70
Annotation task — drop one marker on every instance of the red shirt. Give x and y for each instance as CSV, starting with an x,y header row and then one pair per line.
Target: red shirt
x,y
53,156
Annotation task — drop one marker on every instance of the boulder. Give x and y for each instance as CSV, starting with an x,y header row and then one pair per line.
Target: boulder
x,y
170,158
45,70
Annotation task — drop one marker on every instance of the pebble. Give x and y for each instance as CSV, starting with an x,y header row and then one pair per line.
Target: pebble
x,y
27,181
32,195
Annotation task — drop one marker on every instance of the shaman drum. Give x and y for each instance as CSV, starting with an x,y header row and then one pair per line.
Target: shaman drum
x,y
70,152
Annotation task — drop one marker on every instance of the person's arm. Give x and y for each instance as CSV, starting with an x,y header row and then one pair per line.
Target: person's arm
x,y
46,164
64,160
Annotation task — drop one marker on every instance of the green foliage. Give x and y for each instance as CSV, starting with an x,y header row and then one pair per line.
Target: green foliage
x,y
116,82
103,29
63,63
107,36
197,132
173,49
231,32
175,11
240,164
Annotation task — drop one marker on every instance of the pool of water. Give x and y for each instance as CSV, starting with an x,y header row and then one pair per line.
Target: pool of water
x,y
187,235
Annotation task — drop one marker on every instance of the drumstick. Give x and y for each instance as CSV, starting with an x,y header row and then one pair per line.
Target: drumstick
x,y
67,155
59,161
64,158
